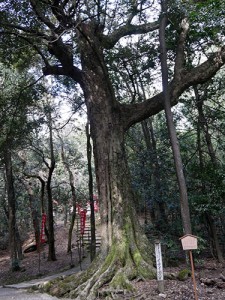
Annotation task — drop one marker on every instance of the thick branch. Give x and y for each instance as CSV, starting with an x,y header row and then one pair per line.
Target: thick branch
x,y
206,70
128,29
74,72
137,112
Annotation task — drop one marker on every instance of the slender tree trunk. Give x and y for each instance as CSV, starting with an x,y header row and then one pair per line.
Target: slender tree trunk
x,y
65,210
72,221
91,200
185,214
51,238
43,202
42,194
74,197
157,211
32,201
150,208
34,213
202,121
203,126
18,239
11,210
158,205
213,234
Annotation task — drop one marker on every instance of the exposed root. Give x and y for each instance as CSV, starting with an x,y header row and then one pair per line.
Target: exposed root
x,y
114,274
129,257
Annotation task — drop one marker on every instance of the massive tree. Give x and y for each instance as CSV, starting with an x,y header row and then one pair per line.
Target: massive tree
x,y
73,39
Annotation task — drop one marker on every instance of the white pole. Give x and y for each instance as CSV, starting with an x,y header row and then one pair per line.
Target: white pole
x,y
159,266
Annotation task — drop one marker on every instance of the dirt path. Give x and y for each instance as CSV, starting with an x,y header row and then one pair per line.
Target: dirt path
x,y
30,263
174,289
13,294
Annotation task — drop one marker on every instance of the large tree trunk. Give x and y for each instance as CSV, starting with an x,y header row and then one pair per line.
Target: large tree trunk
x,y
125,251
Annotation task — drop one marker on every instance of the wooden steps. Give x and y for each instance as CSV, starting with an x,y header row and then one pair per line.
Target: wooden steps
x,y
85,238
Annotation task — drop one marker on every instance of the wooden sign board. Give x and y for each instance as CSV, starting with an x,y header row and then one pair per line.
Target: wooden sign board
x,y
189,242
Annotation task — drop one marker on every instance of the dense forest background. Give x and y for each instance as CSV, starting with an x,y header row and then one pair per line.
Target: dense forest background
x,y
200,127
45,146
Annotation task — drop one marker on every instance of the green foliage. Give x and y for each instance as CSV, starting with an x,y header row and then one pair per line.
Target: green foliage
x,y
202,245
16,99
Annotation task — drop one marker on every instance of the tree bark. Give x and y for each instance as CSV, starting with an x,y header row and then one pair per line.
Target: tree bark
x,y
34,214
91,199
51,167
74,197
185,214
72,221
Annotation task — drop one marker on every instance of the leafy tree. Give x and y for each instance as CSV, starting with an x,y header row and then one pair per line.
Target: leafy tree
x,y
16,98
47,159
69,168
73,39
208,176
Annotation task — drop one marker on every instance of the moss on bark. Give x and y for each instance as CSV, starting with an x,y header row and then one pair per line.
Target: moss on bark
x,y
116,271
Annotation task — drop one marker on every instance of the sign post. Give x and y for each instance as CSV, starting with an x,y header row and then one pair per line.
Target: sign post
x,y
159,266
189,242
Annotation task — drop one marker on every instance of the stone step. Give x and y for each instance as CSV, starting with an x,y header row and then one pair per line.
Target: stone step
x,y
87,244
86,237
87,241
